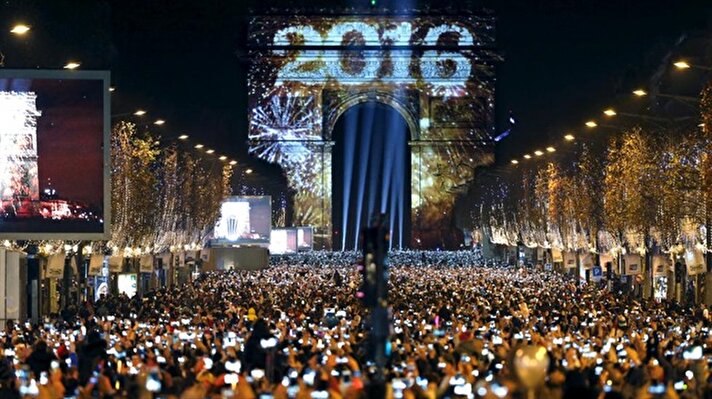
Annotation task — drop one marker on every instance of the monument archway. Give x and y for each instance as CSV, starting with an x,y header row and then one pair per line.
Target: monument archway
x,y
370,173
435,70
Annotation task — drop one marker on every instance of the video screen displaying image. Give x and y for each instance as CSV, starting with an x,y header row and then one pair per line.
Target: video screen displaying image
x,y
52,158
244,220
283,241
305,238
127,284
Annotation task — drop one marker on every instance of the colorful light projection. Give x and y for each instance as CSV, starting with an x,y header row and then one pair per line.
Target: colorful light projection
x,y
435,70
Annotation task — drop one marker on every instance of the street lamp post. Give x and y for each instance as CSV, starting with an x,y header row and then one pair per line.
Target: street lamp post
x,y
16,30
682,65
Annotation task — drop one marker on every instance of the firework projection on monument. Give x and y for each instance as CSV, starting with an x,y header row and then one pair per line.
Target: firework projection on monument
x,y
435,71
52,158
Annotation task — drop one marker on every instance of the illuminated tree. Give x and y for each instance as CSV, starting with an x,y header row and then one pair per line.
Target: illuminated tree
x,y
169,222
630,180
134,187
547,201
679,195
706,164
588,187
162,198
532,223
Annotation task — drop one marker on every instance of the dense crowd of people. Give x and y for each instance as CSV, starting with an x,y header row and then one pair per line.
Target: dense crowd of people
x,y
395,258
298,330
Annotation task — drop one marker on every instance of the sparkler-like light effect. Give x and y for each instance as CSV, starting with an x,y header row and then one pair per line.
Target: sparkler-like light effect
x,y
19,185
282,129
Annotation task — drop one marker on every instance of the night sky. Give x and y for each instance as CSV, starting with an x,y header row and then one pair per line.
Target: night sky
x,y
69,138
564,60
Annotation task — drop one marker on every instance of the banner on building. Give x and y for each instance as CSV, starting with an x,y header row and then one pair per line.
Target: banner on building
x,y
55,265
166,259
146,264
95,264
570,260
13,282
632,264
661,265
586,260
556,255
115,263
695,261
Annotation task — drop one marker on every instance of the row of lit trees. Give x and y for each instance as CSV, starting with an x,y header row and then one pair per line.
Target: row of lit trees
x,y
647,187
163,197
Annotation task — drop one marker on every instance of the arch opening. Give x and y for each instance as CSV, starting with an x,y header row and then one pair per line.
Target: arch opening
x,y
370,174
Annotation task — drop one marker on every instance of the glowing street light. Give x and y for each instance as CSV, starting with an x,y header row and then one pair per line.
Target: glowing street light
x,y
610,112
527,156
640,92
514,161
248,171
159,122
569,137
686,65
591,124
233,163
72,65
140,112
199,146
111,89
223,157
183,137
538,153
20,29
210,151
550,149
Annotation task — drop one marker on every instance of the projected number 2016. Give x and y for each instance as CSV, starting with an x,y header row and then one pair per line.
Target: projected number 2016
x,y
436,67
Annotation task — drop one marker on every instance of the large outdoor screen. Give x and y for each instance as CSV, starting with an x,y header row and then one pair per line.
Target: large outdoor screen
x,y
283,241
305,238
54,155
244,220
